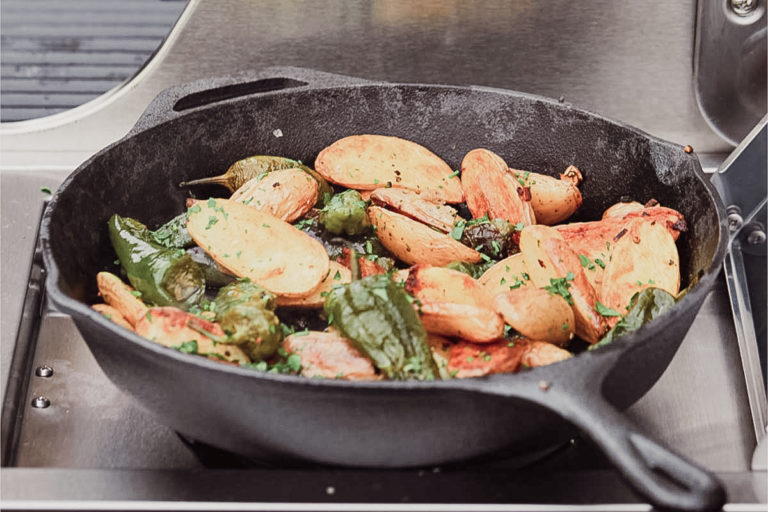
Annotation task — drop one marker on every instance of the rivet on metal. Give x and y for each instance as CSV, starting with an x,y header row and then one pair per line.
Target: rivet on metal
x,y
735,220
44,371
756,237
40,402
743,7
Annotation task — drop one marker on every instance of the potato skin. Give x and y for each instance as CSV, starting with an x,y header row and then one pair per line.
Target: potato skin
x,y
540,353
621,209
367,162
489,191
547,257
337,274
553,200
505,275
250,243
330,356
287,193
112,314
462,359
409,203
472,323
414,242
170,326
537,314
120,296
438,284
645,256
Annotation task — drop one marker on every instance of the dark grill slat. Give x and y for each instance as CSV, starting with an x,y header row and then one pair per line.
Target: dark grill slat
x,y
57,54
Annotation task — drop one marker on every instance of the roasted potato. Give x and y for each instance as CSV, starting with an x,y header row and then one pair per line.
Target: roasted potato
x,y
537,314
330,356
121,297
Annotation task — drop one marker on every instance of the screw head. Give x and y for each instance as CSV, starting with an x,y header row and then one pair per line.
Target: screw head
x,y
40,402
743,7
735,221
756,237
44,371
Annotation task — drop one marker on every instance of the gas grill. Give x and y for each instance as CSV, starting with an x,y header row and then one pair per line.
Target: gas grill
x,y
71,440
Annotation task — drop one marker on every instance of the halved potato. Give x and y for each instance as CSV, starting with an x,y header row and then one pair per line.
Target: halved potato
x,y
541,353
438,284
338,274
414,242
487,189
462,359
644,257
249,243
505,275
409,203
330,356
367,162
472,323
120,296
112,314
553,200
621,209
548,256
287,193
537,314
172,327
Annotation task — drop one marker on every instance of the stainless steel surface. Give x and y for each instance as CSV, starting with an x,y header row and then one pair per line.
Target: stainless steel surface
x,y
746,165
730,65
630,61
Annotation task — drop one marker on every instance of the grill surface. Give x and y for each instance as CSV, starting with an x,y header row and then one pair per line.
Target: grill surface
x,y
58,54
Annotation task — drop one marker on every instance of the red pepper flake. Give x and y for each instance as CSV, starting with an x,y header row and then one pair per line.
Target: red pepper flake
x,y
651,203
688,149
544,385
620,234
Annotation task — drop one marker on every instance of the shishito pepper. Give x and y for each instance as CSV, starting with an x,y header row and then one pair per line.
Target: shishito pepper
x,y
246,313
164,276
378,317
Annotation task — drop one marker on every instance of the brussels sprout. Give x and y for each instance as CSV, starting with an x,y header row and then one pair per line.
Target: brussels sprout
x,y
345,213
245,311
492,237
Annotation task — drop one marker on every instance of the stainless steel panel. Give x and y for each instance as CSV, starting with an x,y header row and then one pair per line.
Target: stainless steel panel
x,y
630,61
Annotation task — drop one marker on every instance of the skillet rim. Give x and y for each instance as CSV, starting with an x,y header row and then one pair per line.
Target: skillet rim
x,y
602,359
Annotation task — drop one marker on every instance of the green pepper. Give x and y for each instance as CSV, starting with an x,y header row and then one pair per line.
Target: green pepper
x,y
213,275
345,213
471,269
165,277
377,316
173,234
246,313
248,168
644,307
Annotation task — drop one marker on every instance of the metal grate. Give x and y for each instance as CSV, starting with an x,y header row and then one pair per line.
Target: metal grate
x,y
58,54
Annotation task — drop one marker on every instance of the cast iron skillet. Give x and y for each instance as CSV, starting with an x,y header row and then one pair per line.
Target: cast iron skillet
x,y
198,129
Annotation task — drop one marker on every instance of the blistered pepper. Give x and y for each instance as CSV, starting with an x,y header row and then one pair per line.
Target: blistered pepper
x,y
163,276
378,317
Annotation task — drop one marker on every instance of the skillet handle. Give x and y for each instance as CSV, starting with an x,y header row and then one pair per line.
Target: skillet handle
x,y
666,479
178,100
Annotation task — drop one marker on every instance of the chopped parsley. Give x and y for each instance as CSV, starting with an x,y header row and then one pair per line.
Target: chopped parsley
x,y
188,347
45,190
605,311
458,229
560,285
600,263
